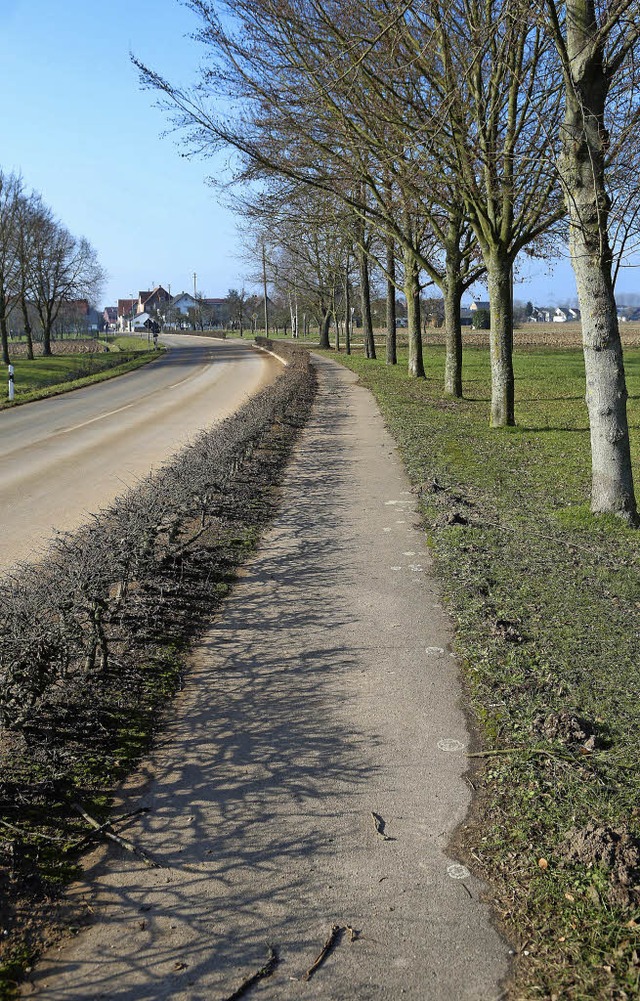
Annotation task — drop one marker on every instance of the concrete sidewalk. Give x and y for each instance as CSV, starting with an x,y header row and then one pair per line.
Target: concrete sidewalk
x,y
324,693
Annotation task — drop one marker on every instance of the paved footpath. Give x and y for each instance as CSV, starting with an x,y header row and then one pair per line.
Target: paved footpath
x,y
324,693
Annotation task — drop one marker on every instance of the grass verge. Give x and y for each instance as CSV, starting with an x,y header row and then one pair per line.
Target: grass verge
x,y
547,605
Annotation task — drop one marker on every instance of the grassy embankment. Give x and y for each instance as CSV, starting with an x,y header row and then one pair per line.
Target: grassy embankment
x,y
41,377
546,599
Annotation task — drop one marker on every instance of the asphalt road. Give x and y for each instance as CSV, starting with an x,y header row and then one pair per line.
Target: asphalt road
x,y
63,458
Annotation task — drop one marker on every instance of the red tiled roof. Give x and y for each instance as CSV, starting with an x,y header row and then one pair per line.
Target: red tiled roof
x,y
125,306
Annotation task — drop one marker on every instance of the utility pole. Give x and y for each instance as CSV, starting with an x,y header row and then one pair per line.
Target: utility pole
x,y
195,279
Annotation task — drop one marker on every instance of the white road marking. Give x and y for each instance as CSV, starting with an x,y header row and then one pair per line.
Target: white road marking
x,y
450,745
458,871
94,419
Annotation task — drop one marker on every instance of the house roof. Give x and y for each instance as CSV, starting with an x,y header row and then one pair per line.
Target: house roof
x,y
125,306
481,304
77,306
158,290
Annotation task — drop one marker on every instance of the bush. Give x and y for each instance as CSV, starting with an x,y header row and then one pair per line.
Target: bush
x,y
481,319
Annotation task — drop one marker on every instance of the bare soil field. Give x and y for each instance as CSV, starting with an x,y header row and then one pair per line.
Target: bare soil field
x,y
538,335
85,345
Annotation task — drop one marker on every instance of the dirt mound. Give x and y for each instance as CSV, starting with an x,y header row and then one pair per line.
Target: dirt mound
x,y
614,849
568,728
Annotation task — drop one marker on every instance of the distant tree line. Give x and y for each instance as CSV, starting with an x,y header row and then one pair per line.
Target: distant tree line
x,y
43,267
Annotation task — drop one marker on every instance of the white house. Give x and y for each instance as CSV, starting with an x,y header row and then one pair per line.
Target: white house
x,y
138,322
184,302
564,314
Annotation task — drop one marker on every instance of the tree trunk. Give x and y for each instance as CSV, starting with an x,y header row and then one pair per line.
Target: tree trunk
x,y
4,331
27,328
347,316
324,329
501,339
46,338
392,355
582,170
365,294
452,293
412,295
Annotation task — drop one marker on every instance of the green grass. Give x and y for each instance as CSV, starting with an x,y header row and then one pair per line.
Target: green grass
x,y
546,600
129,342
34,380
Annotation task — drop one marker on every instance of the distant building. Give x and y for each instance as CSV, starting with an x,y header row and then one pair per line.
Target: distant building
x,y
138,324
78,317
216,311
149,302
126,311
565,314
110,317
540,315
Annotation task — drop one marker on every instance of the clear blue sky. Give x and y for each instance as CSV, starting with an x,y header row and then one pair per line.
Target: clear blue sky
x,y
75,123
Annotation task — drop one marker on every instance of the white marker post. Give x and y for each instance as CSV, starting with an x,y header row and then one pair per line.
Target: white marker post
x,y
11,390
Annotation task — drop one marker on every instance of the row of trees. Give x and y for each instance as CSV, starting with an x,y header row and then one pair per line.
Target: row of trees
x,y
43,267
454,136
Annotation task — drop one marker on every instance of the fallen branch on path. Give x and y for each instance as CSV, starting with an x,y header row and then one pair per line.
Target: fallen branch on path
x,y
106,832
266,971
334,936
88,838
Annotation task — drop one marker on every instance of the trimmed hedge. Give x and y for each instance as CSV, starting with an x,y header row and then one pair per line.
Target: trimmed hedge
x,y
100,589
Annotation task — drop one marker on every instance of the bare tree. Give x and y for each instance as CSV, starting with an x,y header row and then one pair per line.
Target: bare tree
x,y
237,300
32,226
11,196
597,44
64,268
490,100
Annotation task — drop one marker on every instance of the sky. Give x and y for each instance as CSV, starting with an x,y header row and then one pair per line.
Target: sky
x,y
76,124
78,127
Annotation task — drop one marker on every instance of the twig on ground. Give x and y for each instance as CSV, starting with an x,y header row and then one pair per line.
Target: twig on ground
x,y
379,824
104,830
526,750
265,971
334,935
30,834
88,838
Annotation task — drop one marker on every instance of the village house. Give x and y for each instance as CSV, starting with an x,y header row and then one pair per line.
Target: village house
x,y
110,318
126,311
150,302
565,314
